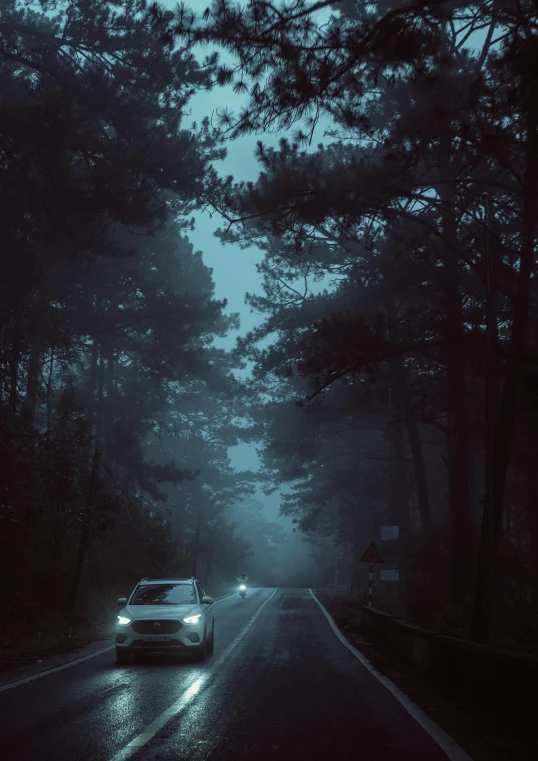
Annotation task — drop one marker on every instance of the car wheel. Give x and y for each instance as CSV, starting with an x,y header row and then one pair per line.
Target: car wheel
x,y
122,656
201,651
211,643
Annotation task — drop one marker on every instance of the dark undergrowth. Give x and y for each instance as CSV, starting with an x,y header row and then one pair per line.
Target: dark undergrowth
x,y
483,736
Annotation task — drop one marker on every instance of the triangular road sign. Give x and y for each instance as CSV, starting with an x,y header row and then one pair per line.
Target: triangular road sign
x,y
372,555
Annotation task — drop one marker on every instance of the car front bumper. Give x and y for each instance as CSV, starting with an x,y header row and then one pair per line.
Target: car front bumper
x,y
188,638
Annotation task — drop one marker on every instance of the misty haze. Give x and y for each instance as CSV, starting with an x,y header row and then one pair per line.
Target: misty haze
x,y
269,380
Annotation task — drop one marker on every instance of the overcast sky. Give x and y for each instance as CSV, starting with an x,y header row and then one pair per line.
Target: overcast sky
x,y
234,270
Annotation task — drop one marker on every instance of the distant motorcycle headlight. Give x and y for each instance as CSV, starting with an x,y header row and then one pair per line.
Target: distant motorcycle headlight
x,y
193,619
242,587
123,621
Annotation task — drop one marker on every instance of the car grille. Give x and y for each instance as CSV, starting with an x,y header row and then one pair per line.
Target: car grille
x,y
155,626
172,644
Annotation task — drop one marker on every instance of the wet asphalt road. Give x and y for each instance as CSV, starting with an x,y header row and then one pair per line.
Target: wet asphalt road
x,y
287,689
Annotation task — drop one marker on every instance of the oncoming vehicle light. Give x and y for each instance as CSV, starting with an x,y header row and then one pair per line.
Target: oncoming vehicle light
x,y
193,619
123,621
242,587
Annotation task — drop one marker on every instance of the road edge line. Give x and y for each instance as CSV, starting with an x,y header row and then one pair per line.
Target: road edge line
x,y
449,746
147,734
52,670
225,598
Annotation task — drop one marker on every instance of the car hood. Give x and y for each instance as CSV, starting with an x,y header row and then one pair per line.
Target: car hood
x,y
159,611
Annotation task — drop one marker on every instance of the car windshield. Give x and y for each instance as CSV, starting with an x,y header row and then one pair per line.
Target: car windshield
x,y
164,594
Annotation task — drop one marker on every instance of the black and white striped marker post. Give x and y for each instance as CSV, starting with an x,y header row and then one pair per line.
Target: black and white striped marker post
x,y
371,556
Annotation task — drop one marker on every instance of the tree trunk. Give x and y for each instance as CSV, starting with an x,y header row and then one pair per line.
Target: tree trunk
x,y
83,543
92,383
196,545
110,415
208,569
49,391
459,475
423,498
502,437
32,386
398,482
533,527
14,362
55,505
532,494
99,411
399,487
399,380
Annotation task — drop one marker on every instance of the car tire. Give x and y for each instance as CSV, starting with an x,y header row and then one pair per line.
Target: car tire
x,y
201,651
122,655
211,642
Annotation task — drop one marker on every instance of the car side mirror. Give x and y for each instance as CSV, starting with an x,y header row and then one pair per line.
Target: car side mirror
x,y
207,600
121,601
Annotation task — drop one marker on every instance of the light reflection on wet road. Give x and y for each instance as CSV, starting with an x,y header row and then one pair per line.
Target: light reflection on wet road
x,y
287,689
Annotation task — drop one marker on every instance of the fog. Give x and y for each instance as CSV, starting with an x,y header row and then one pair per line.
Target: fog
x,y
226,261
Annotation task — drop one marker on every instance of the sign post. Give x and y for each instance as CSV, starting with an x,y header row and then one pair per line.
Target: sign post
x,y
372,555
389,541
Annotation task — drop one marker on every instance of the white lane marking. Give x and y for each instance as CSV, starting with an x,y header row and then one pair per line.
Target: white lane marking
x,y
56,668
75,662
235,594
445,742
195,687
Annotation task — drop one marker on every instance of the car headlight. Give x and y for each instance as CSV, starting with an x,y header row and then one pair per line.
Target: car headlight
x,y
193,619
123,621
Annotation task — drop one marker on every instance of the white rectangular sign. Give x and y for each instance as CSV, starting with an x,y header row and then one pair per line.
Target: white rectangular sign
x,y
389,532
390,575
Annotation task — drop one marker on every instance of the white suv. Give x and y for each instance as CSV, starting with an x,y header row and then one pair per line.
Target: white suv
x,y
165,615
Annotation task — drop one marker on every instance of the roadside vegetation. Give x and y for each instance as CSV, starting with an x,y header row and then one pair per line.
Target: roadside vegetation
x,y
116,409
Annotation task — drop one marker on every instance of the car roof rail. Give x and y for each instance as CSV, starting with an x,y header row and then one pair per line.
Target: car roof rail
x,y
165,578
